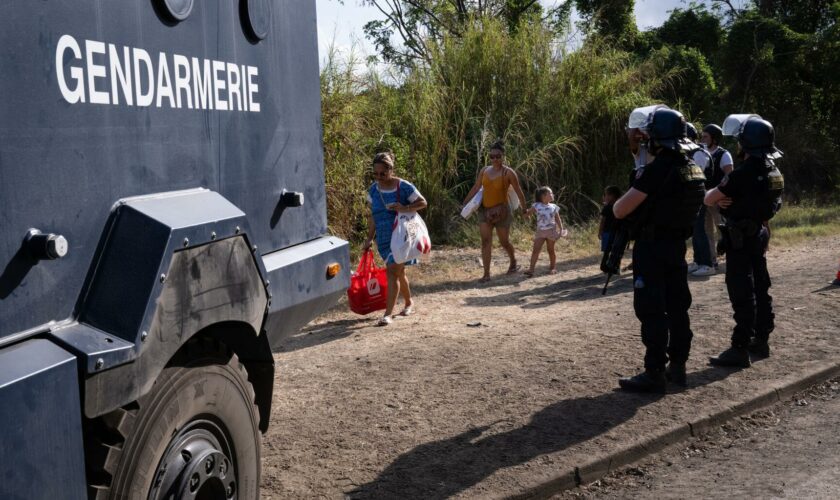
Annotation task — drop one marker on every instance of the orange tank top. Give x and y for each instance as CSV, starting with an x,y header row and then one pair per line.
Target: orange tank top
x,y
494,190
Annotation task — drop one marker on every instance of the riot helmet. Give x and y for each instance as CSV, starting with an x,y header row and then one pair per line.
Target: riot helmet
x,y
691,131
666,128
637,132
715,132
755,135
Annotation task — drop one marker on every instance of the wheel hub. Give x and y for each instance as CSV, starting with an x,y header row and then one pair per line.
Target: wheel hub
x,y
196,466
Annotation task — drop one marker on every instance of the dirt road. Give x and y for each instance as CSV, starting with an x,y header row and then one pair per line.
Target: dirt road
x,y
432,408
790,450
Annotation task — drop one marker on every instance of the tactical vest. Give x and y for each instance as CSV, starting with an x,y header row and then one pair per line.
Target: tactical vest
x,y
763,197
714,174
674,208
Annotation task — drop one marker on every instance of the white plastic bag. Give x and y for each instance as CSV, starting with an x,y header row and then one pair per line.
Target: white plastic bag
x,y
410,238
472,206
513,200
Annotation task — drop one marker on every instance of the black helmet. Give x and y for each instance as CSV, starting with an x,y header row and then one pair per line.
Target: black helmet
x,y
757,137
666,128
715,132
691,131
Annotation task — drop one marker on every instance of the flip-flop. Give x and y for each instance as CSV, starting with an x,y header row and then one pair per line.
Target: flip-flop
x,y
529,274
484,279
514,269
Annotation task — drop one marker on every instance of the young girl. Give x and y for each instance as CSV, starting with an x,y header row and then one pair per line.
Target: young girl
x,y
549,228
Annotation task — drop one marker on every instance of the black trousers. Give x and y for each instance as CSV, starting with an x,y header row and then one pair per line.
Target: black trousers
x,y
661,299
748,283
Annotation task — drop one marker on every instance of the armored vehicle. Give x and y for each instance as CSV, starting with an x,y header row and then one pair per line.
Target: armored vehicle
x,y
162,228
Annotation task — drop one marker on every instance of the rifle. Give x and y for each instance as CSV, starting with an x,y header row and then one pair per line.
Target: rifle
x,y
611,261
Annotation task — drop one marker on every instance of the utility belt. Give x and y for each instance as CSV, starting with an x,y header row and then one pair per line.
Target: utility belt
x,y
735,233
652,232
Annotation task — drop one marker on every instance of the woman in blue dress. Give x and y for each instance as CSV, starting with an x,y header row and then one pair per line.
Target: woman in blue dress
x,y
387,196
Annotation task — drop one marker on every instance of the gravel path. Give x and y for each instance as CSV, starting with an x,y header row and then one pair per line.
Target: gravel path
x,y
432,408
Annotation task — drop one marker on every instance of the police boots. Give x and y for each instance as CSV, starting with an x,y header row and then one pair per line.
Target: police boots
x,y
675,373
759,348
647,381
736,357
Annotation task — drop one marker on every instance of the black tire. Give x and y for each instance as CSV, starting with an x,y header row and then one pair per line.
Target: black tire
x,y
206,383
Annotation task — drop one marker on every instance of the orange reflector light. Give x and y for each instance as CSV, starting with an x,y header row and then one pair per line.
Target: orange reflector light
x,y
333,270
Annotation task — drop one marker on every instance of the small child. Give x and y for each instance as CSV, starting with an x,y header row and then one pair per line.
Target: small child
x,y
606,230
549,228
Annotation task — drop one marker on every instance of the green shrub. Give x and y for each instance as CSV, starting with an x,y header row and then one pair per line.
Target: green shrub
x,y
560,113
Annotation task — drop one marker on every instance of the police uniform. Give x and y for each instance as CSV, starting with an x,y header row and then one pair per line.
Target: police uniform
x,y
661,298
755,188
660,224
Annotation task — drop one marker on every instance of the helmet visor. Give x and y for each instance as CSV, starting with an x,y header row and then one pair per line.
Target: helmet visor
x,y
640,117
733,123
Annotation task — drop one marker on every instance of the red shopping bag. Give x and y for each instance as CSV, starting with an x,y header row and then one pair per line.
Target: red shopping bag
x,y
368,286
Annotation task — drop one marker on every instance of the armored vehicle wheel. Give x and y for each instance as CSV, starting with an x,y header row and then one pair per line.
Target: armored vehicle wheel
x,y
193,436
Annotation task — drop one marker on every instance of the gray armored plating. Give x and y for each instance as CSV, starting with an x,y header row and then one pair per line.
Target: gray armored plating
x,y
147,150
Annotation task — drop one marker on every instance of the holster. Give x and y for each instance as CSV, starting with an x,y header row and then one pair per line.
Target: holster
x,y
734,234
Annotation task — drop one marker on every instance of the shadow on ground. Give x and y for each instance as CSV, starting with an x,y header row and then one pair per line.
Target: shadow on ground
x,y
440,469
587,288
315,335
499,279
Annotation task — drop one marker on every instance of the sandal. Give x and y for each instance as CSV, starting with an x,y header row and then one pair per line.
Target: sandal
x,y
514,268
408,311
384,321
528,273
484,279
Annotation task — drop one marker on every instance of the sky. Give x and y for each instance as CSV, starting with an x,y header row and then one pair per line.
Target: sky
x,y
342,24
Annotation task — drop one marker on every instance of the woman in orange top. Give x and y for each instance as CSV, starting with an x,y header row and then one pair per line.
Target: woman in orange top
x,y
496,179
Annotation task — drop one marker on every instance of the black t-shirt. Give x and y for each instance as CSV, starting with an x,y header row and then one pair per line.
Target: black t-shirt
x,y
651,178
609,218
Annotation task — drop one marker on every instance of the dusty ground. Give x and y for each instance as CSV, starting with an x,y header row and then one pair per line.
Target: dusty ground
x,y
790,450
431,408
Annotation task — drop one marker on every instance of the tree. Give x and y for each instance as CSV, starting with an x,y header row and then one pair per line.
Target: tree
x,y
694,27
803,16
612,19
410,27
693,86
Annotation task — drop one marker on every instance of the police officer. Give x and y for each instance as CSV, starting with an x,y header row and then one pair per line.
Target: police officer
x,y
749,197
661,206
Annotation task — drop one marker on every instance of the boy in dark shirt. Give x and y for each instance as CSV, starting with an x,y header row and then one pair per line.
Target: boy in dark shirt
x,y
606,230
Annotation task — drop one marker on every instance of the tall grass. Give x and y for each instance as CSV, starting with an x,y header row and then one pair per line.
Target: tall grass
x,y
797,223
560,113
